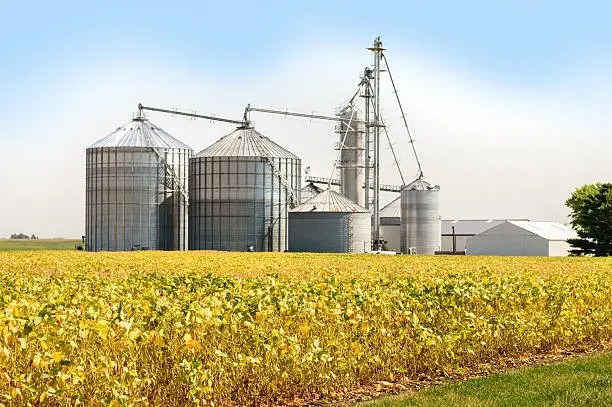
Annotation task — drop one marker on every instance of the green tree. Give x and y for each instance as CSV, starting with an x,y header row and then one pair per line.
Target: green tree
x,y
591,217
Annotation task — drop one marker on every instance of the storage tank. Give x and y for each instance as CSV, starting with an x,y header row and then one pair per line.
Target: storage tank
x,y
352,156
136,190
241,189
420,218
309,191
330,222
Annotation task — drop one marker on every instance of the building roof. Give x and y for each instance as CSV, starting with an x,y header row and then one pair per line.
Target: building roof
x,y
309,190
471,226
329,201
547,230
140,132
462,226
420,184
245,142
392,209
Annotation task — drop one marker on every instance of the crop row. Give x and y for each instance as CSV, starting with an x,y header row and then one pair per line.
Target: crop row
x,y
164,329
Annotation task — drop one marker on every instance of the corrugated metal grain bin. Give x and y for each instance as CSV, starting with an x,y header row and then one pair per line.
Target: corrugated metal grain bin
x,y
330,223
420,218
241,189
136,190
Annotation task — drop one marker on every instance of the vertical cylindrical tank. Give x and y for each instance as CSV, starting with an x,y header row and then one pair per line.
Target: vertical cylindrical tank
x,y
352,157
420,218
136,190
241,189
330,223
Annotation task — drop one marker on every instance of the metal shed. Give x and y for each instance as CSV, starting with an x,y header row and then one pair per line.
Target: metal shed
x,y
456,232
522,238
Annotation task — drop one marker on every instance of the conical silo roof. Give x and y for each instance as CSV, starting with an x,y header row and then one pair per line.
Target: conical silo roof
x,y
420,184
329,201
140,132
245,142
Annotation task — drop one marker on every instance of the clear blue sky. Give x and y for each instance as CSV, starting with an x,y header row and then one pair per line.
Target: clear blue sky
x,y
559,49
510,41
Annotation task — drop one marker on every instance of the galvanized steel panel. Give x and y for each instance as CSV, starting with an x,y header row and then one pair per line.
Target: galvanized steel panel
x,y
132,202
420,218
140,133
330,232
237,200
246,142
329,201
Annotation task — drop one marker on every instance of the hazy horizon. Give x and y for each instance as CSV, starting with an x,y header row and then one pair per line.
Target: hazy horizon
x,y
508,103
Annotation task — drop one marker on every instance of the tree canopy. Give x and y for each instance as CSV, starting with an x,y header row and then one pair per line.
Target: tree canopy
x,y
591,217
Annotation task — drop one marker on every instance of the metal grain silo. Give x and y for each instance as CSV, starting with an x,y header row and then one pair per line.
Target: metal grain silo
x,y
352,155
136,190
241,190
420,218
330,222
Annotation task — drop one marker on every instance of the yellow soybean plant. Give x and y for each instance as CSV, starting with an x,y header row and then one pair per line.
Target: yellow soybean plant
x,y
211,328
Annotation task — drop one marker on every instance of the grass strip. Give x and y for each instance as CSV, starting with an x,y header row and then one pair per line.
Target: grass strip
x,y
583,382
38,244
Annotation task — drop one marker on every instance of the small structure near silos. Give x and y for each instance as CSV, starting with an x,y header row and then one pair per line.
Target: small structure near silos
x,y
330,223
420,218
136,190
390,225
308,191
241,190
456,232
522,238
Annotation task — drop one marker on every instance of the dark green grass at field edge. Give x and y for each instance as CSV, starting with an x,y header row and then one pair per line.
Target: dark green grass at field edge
x,y
38,244
581,382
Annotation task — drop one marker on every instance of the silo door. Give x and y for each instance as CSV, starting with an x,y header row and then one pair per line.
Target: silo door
x,y
270,241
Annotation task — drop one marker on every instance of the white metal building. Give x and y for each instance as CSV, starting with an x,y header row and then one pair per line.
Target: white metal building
x,y
522,238
455,230
459,231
